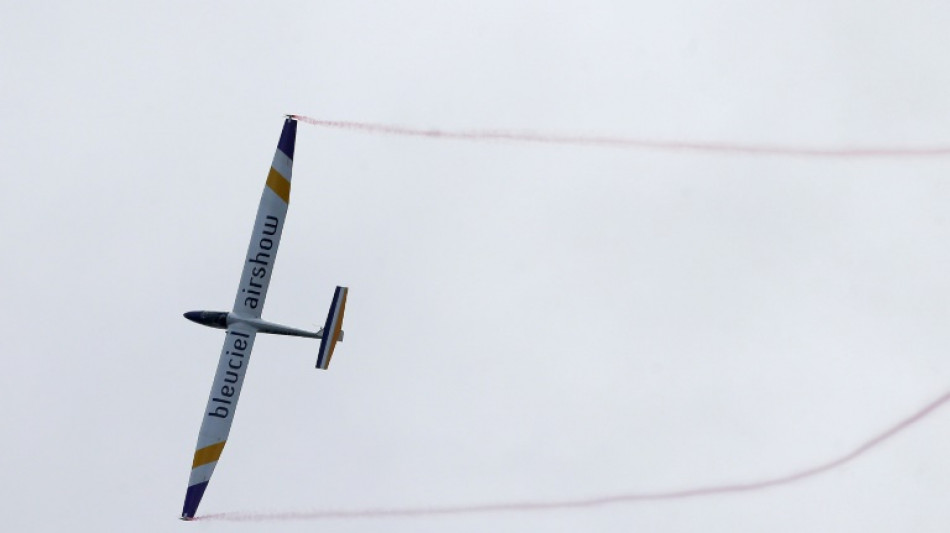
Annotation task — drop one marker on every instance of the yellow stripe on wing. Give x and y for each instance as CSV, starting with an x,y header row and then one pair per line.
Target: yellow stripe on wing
x,y
208,454
279,185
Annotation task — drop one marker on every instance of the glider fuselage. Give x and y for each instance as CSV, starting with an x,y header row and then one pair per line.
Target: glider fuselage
x,y
223,320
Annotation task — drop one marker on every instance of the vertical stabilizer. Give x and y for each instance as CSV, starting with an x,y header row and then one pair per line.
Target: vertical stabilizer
x,y
333,329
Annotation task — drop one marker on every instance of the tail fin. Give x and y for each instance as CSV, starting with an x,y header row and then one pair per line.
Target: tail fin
x,y
333,329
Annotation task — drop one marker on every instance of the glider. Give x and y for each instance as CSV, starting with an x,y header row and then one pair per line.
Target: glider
x,y
244,322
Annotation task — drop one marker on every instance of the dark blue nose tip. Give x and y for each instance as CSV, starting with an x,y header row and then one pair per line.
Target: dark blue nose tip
x,y
194,316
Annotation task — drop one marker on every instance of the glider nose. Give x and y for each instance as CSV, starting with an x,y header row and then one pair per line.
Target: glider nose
x,y
212,319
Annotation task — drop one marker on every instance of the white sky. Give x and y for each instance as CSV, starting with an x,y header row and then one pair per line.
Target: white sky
x,y
525,322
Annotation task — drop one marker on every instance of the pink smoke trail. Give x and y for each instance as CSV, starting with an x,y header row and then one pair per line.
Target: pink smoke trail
x,y
681,494
643,144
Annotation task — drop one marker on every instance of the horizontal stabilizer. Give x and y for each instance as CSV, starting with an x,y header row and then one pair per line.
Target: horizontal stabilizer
x,y
333,329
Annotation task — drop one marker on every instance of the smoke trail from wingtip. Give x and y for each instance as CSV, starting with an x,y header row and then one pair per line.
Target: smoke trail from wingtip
x,y
629,143
581,503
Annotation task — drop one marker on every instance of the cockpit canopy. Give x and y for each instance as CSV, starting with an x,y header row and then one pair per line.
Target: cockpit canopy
x,y
212,319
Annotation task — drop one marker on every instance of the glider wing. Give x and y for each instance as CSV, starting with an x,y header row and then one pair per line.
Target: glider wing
x,y
239,339
262,250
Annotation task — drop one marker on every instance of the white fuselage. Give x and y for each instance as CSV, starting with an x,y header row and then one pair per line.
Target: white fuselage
x,y
224,320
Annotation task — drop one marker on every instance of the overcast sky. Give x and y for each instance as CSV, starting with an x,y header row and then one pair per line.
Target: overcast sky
x,y
525,322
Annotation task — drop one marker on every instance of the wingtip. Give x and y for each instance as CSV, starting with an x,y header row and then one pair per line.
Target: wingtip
x,y
192,499
288,137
